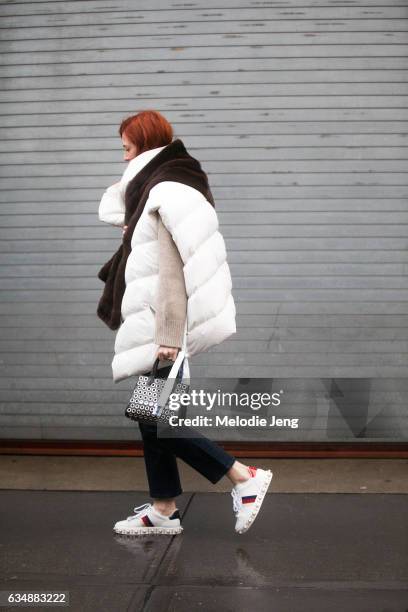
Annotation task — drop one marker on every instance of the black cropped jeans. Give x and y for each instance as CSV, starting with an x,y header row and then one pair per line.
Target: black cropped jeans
x,y
160,453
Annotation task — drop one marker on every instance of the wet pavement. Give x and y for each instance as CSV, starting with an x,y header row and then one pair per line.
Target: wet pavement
x,y
310,552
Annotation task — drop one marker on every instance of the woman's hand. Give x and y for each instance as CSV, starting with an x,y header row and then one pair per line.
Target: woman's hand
x,y
124,229
167,352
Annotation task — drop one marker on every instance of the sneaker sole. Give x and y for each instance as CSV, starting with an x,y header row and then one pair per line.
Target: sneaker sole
x,y
141,531
258,503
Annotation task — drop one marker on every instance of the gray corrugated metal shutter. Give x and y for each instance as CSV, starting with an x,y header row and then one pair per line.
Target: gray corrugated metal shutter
x,y
298,114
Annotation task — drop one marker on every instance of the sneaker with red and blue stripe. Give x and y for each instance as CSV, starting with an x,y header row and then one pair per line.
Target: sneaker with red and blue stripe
x,y
248,497
147,521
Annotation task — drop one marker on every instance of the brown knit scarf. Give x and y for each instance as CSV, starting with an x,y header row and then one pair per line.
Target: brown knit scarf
x,y
173,163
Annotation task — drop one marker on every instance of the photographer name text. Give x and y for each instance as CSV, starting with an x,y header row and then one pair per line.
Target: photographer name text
x,y
233,421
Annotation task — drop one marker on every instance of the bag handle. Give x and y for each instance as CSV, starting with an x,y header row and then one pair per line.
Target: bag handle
x,y
153,373
173,375
177,368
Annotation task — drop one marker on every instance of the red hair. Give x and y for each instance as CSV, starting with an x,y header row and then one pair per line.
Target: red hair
x,y
147,130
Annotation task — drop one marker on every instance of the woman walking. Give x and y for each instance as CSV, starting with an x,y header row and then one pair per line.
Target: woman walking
x,y
171,269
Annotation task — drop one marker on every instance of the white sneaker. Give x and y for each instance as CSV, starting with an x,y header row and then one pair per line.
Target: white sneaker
x,y
147,521
248,497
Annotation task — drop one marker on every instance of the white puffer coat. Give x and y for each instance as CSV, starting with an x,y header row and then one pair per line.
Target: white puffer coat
x,y
193,224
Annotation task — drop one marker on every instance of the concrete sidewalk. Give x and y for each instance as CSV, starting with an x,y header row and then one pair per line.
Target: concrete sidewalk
x,y
309,552
128,474
332,536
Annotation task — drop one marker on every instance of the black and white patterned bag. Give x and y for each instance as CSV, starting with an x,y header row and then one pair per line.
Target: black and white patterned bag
x,y
149,400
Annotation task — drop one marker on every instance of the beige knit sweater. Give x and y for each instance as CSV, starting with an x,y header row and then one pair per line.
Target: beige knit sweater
x,y
171,310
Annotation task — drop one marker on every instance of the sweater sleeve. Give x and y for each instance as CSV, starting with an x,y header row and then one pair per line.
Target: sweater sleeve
x,y
171,308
